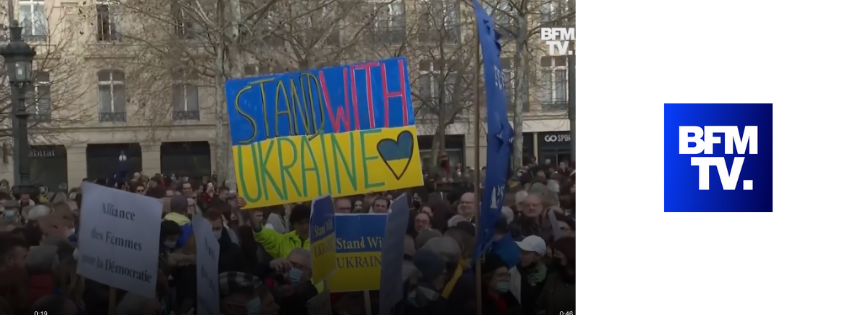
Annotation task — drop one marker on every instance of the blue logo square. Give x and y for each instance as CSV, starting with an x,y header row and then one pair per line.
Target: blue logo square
x,y
706,146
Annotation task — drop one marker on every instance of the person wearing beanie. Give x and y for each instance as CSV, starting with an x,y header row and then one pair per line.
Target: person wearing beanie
x,y
424,298
425,236
179,211
495,286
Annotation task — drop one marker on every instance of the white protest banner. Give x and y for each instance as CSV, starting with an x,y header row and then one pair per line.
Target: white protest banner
x,y
119,238
207,272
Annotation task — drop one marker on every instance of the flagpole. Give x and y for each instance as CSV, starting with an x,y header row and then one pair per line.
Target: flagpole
x,y
477,135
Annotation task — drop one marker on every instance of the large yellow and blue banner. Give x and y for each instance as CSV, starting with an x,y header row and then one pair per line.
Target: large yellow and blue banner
x,y
335,131
323,238
360,238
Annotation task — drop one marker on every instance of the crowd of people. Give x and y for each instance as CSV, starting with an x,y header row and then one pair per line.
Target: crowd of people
x,y
265,263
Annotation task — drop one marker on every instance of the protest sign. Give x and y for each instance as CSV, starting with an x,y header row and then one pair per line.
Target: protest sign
x,y
207,271
320,304
392,254
341,131
322,238
359,241
119,239
500,134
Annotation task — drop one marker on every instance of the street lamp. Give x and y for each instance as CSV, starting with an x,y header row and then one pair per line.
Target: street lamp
x,y
19,60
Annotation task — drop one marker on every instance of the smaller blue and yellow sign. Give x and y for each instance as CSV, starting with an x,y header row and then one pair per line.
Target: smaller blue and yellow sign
x,y
322,236
359,241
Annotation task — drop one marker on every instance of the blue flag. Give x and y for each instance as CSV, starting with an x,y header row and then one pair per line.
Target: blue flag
x,y
500,133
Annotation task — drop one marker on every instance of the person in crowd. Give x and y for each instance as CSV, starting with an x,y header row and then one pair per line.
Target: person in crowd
x,y
275,220
358,206
468,208
244,294
225,236
170,232
424,236
459,291
179,206
441,212
280,245
186,189
423,297
13,253
380,205
496,299
40,263
427,210
527,277
422,222
342,205
296,288
36,212
559,291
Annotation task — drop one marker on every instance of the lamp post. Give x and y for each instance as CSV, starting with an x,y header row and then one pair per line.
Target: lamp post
x,y
18,56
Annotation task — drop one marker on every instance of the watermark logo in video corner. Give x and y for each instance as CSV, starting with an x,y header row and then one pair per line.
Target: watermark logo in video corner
x,y
718,157
559,40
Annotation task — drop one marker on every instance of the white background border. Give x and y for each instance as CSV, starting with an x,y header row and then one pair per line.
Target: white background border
x,y
633,57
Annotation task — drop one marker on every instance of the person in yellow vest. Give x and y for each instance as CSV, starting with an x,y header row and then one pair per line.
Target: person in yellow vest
x,y
280,245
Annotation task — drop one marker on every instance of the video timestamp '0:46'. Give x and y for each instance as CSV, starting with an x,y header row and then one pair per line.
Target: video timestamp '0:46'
x,y
565,313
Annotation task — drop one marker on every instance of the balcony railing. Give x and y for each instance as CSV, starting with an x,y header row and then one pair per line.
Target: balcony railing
x,y
112,117
554,106
183,115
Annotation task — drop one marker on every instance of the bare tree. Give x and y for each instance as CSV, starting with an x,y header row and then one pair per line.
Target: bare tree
x,y
205,42
53,100
441,56
518,21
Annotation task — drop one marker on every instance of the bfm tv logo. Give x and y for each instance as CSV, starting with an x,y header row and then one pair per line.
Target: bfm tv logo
x,y
733,139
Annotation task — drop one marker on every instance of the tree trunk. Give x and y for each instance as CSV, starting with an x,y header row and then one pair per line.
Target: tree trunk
x,y
223,167
236,67
521,62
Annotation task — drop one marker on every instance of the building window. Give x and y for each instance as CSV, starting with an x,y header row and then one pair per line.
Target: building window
x,y
439,21
553,84
501,12
39,97
108,18
323,25
33,20
437,87
553,13
112,96
389,24
183,26
185,96
255,70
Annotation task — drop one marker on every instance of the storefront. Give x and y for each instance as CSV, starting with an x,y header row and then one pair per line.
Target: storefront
x,y
190,159
528,147
102,159
554,146
49,167
455,148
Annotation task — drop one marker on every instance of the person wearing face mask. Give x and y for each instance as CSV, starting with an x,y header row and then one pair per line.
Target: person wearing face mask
x,y
423,296
527,278
169,233
296,288
495,286
442,174
559,291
